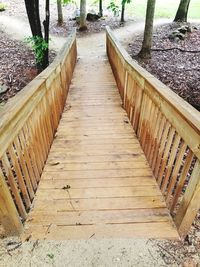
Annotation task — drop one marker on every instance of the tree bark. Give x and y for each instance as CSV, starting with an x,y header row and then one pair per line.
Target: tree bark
x,y
46,34
122,12
145,52
100,8
181,14
83,25
32,9
60,13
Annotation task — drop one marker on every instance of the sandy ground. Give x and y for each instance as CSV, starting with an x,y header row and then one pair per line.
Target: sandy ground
x,y
85,253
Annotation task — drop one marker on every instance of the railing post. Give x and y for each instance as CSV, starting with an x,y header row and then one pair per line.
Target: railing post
x,y
190,204
9,216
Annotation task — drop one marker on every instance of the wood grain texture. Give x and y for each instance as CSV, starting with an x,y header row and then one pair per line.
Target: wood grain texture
x,y
97,181
27,127
168,129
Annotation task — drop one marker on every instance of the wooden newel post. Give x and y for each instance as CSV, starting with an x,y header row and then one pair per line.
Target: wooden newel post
x,y
9,216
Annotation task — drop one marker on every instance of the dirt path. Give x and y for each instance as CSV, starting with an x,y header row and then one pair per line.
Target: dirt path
x,y
84,253
19,29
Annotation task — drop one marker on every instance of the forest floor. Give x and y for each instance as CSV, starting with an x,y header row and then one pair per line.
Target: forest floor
x,y
17,65
15,71
177,63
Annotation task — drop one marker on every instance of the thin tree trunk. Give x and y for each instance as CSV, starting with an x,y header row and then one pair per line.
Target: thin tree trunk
x,y
32,9
60,13
181,14
148,31
122,12
83,25
100,8
46,34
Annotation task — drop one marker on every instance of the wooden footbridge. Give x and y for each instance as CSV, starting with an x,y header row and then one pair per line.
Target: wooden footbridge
x,y
119,163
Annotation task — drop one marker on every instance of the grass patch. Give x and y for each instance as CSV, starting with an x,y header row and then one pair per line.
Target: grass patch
x,y
164,9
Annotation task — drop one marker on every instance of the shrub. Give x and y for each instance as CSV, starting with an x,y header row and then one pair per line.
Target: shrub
x,y
2,7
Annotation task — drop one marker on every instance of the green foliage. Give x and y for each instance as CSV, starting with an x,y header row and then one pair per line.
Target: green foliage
x,y
126,2
39,46
50,255
2,7
65,2
115,8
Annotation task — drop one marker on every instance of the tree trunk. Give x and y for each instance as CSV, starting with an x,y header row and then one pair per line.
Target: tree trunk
x,y
122,12
60,13
145,52
83,25
100,8
32,9
45,62
181,14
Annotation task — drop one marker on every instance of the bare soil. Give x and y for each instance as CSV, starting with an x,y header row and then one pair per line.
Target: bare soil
x,y
179,69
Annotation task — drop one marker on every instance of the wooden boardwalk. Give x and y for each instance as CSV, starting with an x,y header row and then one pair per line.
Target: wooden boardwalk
x,y
97,182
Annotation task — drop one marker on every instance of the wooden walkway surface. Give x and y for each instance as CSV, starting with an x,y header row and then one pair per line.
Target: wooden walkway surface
x,y
97,182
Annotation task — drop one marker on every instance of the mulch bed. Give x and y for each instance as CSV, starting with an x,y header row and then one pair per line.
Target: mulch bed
x,y
179,70
92,27
17,66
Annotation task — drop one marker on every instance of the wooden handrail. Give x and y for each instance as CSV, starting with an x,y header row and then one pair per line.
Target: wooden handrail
x,y
168,129
27,126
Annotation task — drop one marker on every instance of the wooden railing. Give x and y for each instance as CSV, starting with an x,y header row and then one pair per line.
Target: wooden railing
x,y
27,127
168,129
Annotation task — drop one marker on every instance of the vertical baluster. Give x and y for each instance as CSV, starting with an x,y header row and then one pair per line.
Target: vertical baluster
x,y
8,213
170,164
14,188
190,203
182,179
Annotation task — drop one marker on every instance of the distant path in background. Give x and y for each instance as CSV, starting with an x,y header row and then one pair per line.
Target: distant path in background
x,y
19,29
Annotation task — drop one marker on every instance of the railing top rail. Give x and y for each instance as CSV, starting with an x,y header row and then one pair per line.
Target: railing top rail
x,y
189,114
14,110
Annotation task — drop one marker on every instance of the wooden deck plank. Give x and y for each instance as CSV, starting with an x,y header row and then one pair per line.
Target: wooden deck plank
x,y
97,192
161,230
103,183
97,182
123,203
99,217
94,174
97,166
56,158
